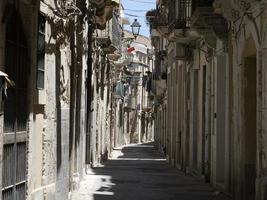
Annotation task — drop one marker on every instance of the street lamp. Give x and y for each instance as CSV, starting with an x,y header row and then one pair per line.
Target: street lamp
x,y
135,28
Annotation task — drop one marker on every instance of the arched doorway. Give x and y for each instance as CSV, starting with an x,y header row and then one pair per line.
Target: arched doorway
x,y
15,111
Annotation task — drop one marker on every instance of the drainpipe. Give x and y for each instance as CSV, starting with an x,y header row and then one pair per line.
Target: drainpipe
x,y
89,89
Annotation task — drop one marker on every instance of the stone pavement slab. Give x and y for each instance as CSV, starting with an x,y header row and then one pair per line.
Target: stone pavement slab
x,y
139,172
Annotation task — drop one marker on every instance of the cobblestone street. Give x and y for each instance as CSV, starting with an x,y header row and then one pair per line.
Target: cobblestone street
x,y
138,172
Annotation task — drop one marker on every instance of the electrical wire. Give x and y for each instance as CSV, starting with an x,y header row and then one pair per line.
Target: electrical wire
x,y
136,10
145,2
130,15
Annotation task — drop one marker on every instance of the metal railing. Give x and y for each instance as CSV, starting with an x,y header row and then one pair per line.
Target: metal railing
x,y
116,33
179,14
111,34
104,33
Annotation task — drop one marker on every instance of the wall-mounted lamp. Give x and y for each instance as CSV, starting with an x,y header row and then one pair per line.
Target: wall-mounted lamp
x,y
135,28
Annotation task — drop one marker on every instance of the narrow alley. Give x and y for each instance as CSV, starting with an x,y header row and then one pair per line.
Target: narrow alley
x,y
133,99
139,172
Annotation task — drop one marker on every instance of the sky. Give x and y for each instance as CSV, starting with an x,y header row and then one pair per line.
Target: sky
x,y
138,8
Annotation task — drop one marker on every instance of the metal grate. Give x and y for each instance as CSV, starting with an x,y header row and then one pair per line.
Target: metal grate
x,y
21,162
8,194
8,167
14,167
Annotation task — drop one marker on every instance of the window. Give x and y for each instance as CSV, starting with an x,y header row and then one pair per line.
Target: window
x,y
40,52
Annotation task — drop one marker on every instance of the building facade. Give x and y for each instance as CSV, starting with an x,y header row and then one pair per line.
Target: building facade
x,y
50,132
133,99
210,110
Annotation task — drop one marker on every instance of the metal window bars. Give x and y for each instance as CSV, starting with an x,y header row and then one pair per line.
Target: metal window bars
x,y
179,14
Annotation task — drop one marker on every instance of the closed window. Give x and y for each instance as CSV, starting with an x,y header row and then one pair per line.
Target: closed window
x,y
41,52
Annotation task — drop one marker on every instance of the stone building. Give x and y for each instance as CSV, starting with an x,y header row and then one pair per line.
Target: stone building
x,y
106,50
210,114
133,91
48,48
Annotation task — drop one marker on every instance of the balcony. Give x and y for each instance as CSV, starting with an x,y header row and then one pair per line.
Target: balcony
x,y
179,21
116,38
206,21
200,10
103,36
104,10
109,38
160,22
179,14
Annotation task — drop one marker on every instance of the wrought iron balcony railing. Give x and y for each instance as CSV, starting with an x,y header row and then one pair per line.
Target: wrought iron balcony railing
x,y
103,36
179,14
116,33
110,37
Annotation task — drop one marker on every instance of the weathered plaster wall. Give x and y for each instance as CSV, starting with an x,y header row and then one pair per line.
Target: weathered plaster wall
x,y
29,13
50,118
42,140
243,47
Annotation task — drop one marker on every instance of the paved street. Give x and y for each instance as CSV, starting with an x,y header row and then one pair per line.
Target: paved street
x,y
138,172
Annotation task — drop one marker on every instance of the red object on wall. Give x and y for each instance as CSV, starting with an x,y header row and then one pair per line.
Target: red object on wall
x,y
130,49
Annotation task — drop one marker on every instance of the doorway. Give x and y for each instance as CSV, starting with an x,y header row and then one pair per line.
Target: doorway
x,y
15,112
195,138
250,127
220,119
